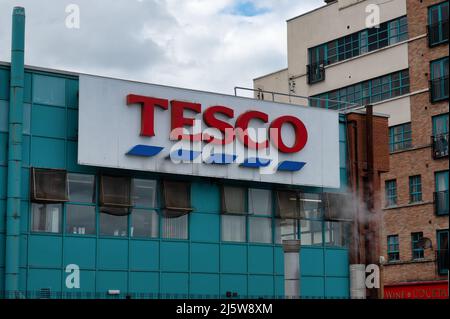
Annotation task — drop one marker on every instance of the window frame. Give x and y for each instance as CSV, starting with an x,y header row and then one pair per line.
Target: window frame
x,y
444,74
391,199
404,143
439,23
366,92
393,248
345,47
415,189
415,239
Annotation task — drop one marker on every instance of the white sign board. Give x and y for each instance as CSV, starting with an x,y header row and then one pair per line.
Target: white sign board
x,y
111,134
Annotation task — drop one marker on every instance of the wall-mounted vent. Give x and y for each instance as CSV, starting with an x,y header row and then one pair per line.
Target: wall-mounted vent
x,y
44,293
48,185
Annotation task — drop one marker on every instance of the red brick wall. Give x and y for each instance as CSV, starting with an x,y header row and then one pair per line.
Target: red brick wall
x,y
408,218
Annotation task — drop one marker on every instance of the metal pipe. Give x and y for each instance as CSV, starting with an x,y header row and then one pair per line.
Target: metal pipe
x,y
15,153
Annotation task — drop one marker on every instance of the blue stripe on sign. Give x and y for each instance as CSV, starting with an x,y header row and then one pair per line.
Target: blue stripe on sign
x,y
255,162
184,155
291,166
221,159
145,150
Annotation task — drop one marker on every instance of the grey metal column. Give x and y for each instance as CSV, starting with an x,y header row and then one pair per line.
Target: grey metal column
x,y
291,250
358,281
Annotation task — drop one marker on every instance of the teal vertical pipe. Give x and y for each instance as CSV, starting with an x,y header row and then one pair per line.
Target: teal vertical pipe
x,y
15,154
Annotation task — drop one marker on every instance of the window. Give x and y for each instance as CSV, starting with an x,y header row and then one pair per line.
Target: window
x,y
393,249
144,223
177,198
370,91
233,221
144,193
48,185
338,206
311,232
46,218
144,219
440,136
361,42
80,213
415,189
391,193
177,206
81,188
438,24
442,252
286,229
233,228
288,205
439,80
417,249
400,137
115,195
441,198
80,220
260,221
337,234
311,224
113,225
175,227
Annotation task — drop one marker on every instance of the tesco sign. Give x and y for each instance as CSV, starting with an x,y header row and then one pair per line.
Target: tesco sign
x,y
147,127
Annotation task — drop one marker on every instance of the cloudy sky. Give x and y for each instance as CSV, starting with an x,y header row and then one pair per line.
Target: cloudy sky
x,y
211,45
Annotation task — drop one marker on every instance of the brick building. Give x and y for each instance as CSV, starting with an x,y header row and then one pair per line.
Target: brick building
x,y
399,66
415,220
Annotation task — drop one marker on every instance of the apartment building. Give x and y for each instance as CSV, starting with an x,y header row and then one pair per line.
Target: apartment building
x,y
338,59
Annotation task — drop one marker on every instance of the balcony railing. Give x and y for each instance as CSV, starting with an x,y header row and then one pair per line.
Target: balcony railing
x,y
442,261
440,145
438,33
439,89
316,72
441,203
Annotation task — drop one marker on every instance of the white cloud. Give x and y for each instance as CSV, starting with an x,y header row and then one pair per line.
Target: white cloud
x,y
190,43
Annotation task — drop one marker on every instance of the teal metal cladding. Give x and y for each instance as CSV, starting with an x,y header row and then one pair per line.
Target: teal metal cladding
x,y
202,266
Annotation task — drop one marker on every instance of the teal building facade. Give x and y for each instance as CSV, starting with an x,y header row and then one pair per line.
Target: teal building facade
x,y
204,264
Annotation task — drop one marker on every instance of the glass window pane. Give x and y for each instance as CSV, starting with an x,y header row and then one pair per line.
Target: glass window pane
x,y
260,202
285,229
81,188
80,220
260,230
144,223
144,193
233,201
46,218
233,228
111,225
175,228
311,205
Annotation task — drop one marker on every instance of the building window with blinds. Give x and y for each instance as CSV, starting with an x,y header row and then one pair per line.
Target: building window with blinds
x,y
144,217
177,206
115,204
260,219
48,193
234,214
